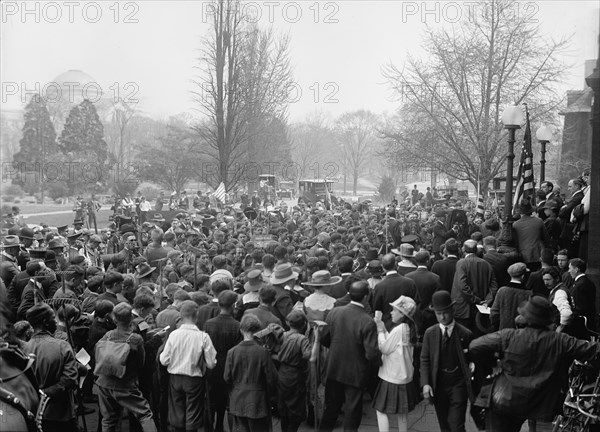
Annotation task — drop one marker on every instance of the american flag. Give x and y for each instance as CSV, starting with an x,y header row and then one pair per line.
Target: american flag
x,y
480,205
525,187
220,193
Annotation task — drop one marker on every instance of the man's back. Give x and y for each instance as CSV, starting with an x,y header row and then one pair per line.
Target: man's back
x,y
500,264
474,282
390,289
531,237
264,315
351,335
445,269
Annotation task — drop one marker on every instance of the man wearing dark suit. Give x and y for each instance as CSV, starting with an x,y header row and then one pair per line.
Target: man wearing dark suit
x,y
446,268
474,283
530,236
211,310
575,186
427,283
264,311
498,261
351,335
445,375
583,293
389,289
339,290
440,234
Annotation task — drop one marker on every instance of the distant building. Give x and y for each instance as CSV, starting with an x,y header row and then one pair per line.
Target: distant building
x,y
576,148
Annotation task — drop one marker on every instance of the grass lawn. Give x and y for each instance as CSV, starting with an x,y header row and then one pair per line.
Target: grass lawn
x,y
56,214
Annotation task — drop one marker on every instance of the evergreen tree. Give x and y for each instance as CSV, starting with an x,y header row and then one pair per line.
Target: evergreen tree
x,y
82,141
36,146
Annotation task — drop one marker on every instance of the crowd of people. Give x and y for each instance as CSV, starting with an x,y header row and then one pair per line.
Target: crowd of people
x,y
218,319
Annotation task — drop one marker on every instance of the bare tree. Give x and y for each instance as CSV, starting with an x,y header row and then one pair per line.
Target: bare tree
x,y
312,141
357,133
452,103
247,77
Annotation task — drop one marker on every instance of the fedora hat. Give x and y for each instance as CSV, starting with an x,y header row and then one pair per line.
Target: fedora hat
x,y
406,305
323,278
537,311
143,269
56,243
78,222
11,241
407,250
283,273
441,301
255,281
37,254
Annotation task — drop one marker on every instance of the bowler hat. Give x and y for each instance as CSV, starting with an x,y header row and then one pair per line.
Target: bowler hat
x,y
441,301
26,233
78,222
537,311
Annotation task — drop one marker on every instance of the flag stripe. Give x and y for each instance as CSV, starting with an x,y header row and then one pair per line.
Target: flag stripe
x,y
525,180
220,192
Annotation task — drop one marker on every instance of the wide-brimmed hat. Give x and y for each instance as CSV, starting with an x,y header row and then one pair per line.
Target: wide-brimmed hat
x,y
406,305
158,217
323,278
405,250
255,281
143,269
441,301
537,311
11,241
62,227
283,273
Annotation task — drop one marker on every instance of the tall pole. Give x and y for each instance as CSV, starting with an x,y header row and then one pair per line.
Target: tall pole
x,y
593,264
510,156
543,161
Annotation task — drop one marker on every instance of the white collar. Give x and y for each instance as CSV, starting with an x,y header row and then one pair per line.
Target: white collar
x,y
346,274
579,275
450,327
357,304
422,266
391,272
451,256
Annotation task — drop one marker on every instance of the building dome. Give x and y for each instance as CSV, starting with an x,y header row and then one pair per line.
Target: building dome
x,y
72,87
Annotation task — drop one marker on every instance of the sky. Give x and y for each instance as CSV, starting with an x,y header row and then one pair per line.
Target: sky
x,y
147,51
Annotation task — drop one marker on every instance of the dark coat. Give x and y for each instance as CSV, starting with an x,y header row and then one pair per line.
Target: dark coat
x,y
427,283
265,315
206,312
252,380
500,264
474,282
430,355
440,235
507,300
351,336
445,269
338,290
388,290
530,237
583,293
